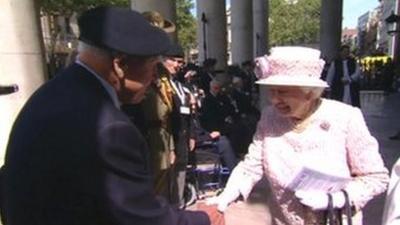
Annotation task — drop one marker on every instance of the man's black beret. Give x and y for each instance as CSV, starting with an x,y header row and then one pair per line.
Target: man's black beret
x,y
175,50
123,30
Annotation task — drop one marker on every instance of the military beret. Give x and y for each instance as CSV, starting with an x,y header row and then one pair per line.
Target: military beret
x,y
156,19
122,30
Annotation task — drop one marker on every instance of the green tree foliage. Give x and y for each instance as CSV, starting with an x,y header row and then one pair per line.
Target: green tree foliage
x,y
53,9
186,24
294,22
67,7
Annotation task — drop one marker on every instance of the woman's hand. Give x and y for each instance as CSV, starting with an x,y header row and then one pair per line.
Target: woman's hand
x,y
217,200
318,200
224,199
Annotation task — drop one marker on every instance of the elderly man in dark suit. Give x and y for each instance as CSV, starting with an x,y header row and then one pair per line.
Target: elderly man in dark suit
x,y
216,117
217,111
73,157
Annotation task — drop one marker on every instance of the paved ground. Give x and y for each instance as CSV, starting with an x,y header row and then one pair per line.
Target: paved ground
x,y
382,114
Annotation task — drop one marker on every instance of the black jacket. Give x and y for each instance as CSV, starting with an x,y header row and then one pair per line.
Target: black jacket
x,y
217,114
74,158
337,87
181,127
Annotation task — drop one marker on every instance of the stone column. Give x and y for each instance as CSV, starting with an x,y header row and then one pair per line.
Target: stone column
x,y
260,21
396,36
211,31
21,60
167,9
331,28
242,30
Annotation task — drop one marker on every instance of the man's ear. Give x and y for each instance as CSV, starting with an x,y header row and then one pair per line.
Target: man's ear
x,y
120,67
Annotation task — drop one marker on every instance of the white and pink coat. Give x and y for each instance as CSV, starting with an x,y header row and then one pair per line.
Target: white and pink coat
x,y
336,141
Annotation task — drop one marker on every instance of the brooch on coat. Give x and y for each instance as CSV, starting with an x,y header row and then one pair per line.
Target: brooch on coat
x,y
325,125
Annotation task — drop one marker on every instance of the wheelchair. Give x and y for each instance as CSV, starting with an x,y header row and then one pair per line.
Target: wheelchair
x,y
206,175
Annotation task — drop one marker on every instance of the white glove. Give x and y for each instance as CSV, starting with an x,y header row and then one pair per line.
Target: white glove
x,y
224,199
318,200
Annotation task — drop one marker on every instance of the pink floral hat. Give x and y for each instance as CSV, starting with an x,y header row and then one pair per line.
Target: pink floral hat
x,y
290,66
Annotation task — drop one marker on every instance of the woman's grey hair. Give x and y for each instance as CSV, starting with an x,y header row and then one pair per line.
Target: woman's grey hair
x,y
315,91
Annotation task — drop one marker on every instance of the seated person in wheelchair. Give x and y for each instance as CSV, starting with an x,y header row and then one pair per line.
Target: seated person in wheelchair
x,y
202,138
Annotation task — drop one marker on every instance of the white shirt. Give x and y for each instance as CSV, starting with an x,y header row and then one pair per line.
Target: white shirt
x,y
178,88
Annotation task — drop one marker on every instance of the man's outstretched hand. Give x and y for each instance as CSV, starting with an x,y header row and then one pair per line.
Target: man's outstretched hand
x,y
216,217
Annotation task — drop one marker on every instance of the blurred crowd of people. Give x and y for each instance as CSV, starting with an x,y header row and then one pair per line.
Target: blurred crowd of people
x,y
188,105
380,73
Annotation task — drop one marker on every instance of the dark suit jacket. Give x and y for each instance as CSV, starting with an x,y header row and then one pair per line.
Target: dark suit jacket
x,y
181,128
74,158
337,87
215,113
243,101
205,78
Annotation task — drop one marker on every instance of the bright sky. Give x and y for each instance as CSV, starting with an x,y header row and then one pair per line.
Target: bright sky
x,y
352,9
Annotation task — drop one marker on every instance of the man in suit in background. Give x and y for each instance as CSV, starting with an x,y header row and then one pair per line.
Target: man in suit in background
x,y
343,78
217,112
73,156
216,117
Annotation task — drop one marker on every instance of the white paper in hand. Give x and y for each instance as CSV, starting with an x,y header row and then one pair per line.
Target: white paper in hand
x,y
312,180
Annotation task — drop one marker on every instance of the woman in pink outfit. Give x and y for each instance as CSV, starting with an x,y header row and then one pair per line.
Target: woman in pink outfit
x,y
300,129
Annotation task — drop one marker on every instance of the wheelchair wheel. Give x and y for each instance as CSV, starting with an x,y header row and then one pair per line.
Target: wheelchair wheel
x,y
190,194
